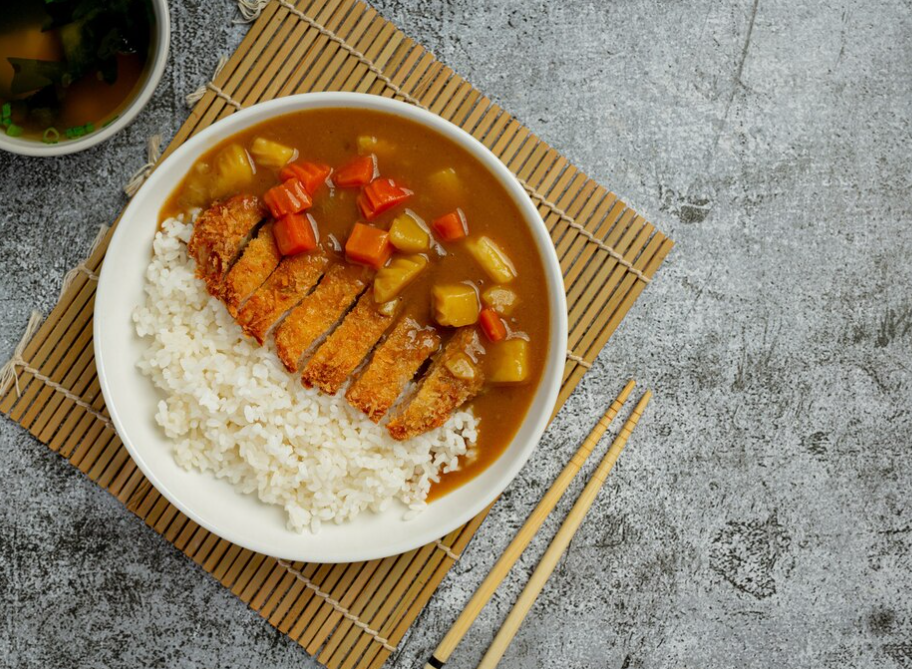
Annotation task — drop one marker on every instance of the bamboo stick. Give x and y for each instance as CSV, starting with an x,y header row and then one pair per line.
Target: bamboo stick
x,y
524,536
561,541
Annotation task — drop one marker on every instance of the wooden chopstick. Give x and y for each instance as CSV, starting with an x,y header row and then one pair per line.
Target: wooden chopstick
x,y
524,536
561,541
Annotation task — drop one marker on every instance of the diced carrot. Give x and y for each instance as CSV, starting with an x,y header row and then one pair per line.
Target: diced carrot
x,y
295,233
312,175
381,195
359,172
368,245
492,325
289,197
451,227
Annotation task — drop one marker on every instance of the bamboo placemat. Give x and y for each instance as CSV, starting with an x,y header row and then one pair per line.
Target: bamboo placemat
x,y
348,615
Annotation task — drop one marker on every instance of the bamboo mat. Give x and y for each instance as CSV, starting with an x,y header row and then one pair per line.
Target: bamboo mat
x,y
347,615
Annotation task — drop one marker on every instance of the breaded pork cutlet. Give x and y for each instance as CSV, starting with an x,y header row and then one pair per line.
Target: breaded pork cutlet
x,y
285,287
349,344
453,378
392,366
260,258
219,235
316,316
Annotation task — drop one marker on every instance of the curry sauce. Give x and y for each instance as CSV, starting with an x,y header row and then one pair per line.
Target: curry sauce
x,y
441,179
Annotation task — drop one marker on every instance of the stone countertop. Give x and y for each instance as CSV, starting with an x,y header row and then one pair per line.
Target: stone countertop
x,y
761,514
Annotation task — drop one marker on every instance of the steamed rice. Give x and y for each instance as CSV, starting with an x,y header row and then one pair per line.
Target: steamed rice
x,y
231,409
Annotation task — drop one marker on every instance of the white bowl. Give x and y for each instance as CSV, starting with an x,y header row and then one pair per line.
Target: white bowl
x,y
214,504
159,55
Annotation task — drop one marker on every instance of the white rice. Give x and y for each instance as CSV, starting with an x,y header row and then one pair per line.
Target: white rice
x,y
231,409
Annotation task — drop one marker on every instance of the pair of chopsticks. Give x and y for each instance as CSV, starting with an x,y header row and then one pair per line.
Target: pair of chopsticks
x,y
533,523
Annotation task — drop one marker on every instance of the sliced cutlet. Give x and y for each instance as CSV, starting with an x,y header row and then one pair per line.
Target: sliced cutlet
x,y
394,363
260,258
441,391
285,287
316,316
219,235
349,344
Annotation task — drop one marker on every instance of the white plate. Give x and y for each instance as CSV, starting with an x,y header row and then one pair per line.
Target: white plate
x,y
214,504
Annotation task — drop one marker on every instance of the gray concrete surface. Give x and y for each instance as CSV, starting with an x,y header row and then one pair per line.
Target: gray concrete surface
x,y
761,515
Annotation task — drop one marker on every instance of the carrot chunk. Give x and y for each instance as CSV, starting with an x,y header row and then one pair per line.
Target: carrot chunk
x,y
451,227
492,325
368,245
289,197
295,233
359,172
381,195
312,175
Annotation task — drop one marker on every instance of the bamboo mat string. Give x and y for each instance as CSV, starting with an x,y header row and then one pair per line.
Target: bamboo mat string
x,y
367,62
153,153
197,95
82,268
250,10
447,550
578,360
348,615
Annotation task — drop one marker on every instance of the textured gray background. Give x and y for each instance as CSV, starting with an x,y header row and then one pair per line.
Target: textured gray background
x,y
761,516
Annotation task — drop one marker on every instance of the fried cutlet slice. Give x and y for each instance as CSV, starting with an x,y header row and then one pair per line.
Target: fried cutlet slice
x,y
349,344
316,316
285,287
394,363
219,235
260,258
441,391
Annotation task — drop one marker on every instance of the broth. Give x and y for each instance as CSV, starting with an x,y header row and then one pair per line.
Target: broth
x,y
68,68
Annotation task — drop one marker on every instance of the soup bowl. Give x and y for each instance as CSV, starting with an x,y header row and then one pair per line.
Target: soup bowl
x,y
158,57
214,504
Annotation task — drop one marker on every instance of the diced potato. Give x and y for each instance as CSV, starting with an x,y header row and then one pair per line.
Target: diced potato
x,y
492,259
233,171
501,299
461,366
370,144
408,233
399,273
456,304
446,186
508,361
271,154
196,189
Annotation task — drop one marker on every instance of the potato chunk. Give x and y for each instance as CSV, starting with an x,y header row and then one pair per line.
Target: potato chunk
x,y
233,171
408,233
456,304
501,299
447,186
492,259
370,144
394,277
271,154
508,361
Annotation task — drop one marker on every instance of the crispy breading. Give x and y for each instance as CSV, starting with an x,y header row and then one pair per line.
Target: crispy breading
x,y
254,266
440,391
392,366
219,235
316,316
285,287
351,342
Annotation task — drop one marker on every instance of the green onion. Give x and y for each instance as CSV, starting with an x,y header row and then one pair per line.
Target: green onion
x,y
7,122
14,130
6,111
89,127
51,136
